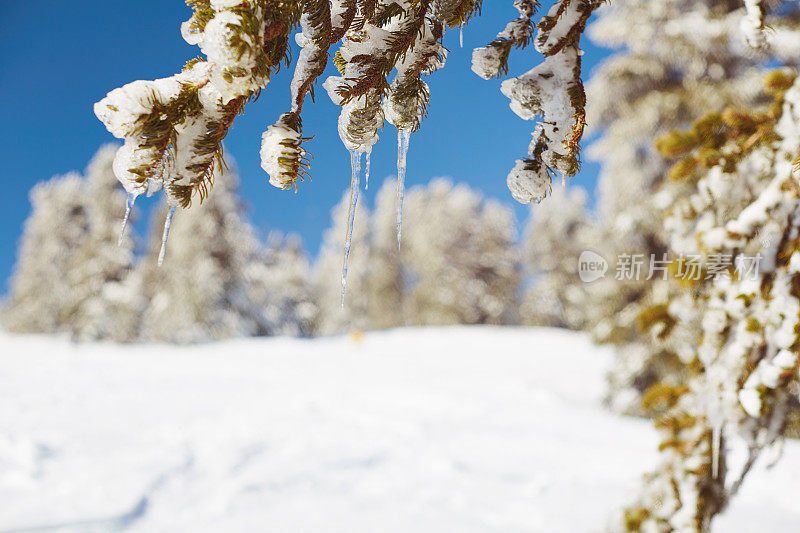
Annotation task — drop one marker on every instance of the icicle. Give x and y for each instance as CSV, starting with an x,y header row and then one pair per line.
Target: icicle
x,y
403,140
167,225
713,411
366,180
716,438
461,36
128,208
355,165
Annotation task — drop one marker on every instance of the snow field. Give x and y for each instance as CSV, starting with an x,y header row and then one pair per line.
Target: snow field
x,y
426,430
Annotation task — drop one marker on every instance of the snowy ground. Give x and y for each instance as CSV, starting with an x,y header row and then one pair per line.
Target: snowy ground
x,y
440,430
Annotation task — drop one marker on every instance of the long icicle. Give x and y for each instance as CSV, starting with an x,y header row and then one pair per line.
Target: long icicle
x,y
368,151
128,208
713,412
403,140
167,226
355,165
716,440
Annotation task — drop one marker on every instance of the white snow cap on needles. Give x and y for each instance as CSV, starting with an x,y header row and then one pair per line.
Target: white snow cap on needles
x,y
124,110
528,181
365,111
488,61
566,16
426,56
172,126
234,53
542,92
551,91
280,144
753,25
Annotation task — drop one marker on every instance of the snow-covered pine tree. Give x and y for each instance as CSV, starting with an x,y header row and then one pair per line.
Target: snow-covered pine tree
x,y
558,231
40,301
173,127
103,268
71,273
742,223
202,290
678,58
459,257
343,310
278,277
465,271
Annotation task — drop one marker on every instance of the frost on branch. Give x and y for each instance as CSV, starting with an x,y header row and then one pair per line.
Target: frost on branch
x,y
552,91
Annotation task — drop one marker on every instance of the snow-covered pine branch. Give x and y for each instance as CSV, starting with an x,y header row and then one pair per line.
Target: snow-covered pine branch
x,y
552,91
744,207
677,59
173,127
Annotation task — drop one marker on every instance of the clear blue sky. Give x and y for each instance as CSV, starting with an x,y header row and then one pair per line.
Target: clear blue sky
x,y
60,57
